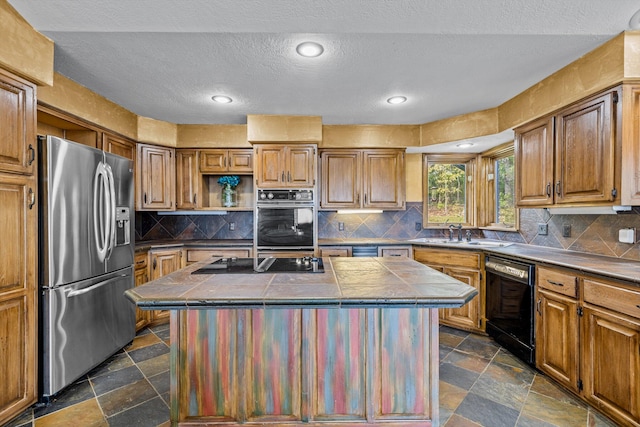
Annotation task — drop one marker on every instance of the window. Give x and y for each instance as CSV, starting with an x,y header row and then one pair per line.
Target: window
x,y
498,196
448,190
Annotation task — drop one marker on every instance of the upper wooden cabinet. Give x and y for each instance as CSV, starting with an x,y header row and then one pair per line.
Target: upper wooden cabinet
x,y
285,166
570,158
222,161
17,124
187,179
119,146
155,178
353,179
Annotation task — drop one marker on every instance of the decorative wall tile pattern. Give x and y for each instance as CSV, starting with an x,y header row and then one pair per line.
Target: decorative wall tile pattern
x,y
596,234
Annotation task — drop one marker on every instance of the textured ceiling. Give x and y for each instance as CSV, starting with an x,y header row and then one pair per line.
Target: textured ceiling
x,y
164,59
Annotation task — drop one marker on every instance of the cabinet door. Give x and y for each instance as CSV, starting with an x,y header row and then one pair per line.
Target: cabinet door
x,y
534,163
187,178
341,179
300,166
557,337
384,179
611,363
241,161
156,178
467,316
585,141
18,295
140,277
17,125
630,185
213,161
270,166
163,263
119,146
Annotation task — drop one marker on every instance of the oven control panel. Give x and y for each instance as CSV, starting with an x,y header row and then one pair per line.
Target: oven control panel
x,y
285,195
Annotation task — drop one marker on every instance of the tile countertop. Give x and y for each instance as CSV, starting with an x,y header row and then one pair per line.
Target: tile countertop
x,y
346,282
615,268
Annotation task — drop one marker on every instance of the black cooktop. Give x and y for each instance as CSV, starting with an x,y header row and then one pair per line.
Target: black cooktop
x,y
263,265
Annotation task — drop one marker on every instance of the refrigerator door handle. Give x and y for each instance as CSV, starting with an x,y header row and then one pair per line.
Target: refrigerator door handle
x,y
111,210
77,292
101,225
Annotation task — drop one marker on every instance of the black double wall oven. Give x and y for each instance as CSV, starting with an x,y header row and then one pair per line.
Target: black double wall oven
x,y
285,222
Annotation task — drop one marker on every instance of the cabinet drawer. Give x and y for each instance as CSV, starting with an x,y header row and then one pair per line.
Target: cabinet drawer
x,y
336,251
194,255
141,260
558,281
448,257
614,296
399,251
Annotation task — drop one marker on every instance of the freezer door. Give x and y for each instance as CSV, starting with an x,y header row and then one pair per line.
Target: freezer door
x,y
83,324
121,254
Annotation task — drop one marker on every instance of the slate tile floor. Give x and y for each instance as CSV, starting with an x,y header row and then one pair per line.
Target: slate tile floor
x,y
480,385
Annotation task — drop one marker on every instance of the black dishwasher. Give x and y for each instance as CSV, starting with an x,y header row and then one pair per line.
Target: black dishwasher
x,y
510,301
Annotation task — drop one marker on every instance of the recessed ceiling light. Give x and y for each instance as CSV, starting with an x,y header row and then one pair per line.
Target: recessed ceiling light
x,y
465,145
310,49
397,99
222,99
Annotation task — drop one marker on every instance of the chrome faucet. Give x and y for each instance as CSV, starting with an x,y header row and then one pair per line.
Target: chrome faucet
x,y
459,232
451,227
468,234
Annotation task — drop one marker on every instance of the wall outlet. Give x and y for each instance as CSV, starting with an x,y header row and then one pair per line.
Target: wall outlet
x,y
341,226
543,229
232,226
566,230
418,226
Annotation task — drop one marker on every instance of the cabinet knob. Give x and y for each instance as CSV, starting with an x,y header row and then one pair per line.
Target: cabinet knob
x,y
558,188
195,198
155,263
548,189
538,306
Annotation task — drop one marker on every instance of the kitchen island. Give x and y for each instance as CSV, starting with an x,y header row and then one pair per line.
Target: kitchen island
x,y
355,345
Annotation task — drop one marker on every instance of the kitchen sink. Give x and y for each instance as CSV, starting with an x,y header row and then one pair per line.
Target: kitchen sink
x,y
446,242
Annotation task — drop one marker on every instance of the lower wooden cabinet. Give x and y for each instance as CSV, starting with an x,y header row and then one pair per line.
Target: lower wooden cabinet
x,y
466,266
163,262
399,251
333,251
557,337
588,339
200,254
611,363
140,277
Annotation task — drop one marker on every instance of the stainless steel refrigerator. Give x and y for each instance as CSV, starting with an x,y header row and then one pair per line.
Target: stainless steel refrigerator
x,y
86,258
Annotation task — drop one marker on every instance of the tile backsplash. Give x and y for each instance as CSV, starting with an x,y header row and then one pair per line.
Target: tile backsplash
x,y
596,234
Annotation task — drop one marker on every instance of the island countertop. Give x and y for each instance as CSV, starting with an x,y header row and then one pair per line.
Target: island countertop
x,y
346,282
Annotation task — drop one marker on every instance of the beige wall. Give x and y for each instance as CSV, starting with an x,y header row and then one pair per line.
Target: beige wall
x,y
23,50
212,136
